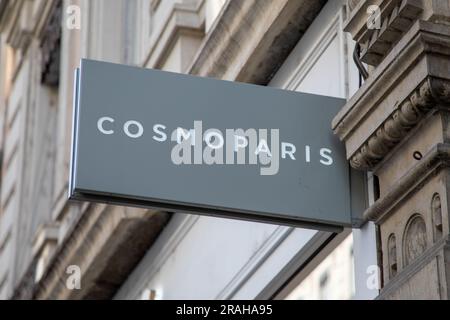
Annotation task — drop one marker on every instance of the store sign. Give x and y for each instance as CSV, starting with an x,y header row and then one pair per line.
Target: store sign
x,y
189,144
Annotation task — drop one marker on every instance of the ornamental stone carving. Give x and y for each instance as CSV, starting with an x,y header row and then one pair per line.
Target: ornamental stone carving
x,y
392,256
415,239
397,126
409,113
436,212
396,19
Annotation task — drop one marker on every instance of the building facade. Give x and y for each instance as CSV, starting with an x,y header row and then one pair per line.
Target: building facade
x,y
388,58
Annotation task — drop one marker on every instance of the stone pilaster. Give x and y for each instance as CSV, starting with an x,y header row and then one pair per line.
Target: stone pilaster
x,y
398,127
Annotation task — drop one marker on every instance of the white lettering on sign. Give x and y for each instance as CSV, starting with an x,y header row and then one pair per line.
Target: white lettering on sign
x,y
134,124
100,123
161,136
241,147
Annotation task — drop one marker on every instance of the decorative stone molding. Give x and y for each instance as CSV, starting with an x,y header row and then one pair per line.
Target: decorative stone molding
x,y
410,112
51,46
397,95
395,18
400,18
414,239
392,20
435,254
186,18
436,159
44,245
270,32
397,126
45,234
417,191
106,243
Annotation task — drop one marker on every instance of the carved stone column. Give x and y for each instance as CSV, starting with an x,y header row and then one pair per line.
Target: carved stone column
x,y
398,127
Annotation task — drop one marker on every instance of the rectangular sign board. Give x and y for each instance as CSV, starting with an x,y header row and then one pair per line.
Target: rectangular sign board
x,y
181,143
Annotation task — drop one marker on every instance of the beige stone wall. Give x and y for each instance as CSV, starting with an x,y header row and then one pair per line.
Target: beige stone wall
x,y
396,126
37,222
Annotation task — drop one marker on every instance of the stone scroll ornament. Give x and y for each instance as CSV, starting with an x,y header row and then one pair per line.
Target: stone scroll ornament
x,y
431,93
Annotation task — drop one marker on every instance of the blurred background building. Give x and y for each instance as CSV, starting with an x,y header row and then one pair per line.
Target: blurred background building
x,y
129,253
132,253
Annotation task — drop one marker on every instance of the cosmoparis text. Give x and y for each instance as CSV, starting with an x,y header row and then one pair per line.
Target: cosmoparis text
x,y
196,146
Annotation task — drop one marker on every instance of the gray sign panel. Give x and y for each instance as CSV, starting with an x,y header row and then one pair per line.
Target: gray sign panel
x,y
183,143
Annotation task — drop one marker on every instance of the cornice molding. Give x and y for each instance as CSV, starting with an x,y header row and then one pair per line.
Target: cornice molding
x,y
259,34
102,242
436,159
431,93
396,17
410,76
